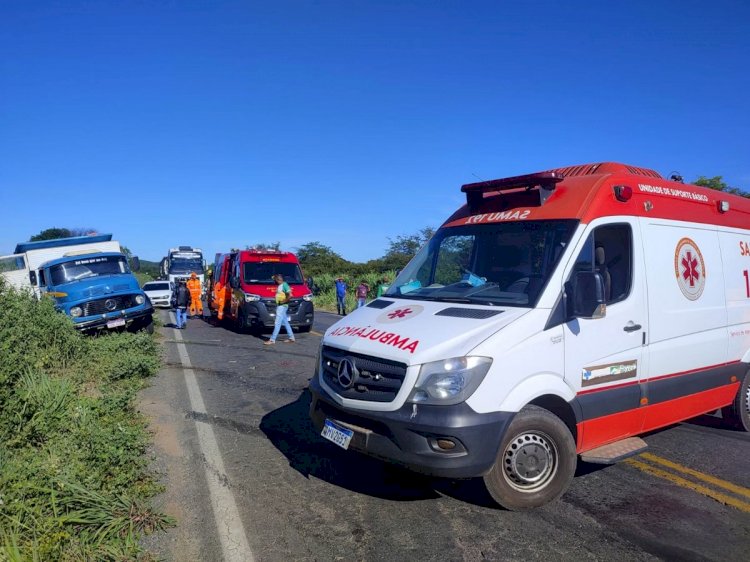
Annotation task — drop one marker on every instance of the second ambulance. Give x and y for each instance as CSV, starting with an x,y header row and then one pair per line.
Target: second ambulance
x,y
555,316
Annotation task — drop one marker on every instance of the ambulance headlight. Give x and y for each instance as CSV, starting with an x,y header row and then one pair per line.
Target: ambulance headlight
x,y
308,297
249,297
449,381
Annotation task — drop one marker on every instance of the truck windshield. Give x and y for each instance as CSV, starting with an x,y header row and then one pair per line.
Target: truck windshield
x,y
76,270
261,273
182,265
504,264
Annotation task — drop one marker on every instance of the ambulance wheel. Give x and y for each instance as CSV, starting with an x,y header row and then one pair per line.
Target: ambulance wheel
x,y
737,414
535,463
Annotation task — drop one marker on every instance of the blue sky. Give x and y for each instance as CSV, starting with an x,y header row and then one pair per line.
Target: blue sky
x,y
221,124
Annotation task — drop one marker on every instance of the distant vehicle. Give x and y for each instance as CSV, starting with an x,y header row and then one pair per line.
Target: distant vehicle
x,y
181,262
159,292
88,277
250,302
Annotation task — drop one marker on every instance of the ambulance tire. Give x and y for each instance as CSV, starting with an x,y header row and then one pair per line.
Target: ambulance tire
x,y
737,414
535,463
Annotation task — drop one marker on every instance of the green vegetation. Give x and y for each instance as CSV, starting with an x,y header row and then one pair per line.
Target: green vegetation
x,y
326,297
74,477
718,183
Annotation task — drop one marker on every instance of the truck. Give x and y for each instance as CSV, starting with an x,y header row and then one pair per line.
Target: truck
x,y
180,262
88,277
249,302
554,317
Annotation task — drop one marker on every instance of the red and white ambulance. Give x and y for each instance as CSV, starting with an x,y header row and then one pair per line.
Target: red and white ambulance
x,y
556,315
246,277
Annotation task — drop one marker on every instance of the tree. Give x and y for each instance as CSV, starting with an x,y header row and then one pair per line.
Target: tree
x,y
316,258
273,246
719,184
55,233
403,248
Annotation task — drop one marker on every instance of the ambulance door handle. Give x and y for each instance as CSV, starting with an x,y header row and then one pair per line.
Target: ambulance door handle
x,y
632,327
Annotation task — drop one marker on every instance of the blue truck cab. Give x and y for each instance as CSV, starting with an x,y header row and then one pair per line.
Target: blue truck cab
x,y
97,290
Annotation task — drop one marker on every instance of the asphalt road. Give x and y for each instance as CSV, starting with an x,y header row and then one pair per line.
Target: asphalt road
x,y
286,494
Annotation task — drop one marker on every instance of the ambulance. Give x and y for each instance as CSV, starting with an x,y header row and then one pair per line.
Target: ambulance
x,y
249,292
554,317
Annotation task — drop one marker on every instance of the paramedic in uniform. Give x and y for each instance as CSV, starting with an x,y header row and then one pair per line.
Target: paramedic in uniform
x,y
194,286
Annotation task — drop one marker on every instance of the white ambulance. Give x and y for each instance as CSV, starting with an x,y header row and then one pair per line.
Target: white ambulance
x,y
555,315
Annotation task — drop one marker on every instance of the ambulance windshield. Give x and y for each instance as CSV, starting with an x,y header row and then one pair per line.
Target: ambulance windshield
x,y
505,264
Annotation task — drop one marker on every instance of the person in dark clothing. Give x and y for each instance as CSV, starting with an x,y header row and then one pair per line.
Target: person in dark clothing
x,y
181,303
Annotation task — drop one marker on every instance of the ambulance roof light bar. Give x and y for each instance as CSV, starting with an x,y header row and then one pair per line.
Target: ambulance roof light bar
x,y
545,181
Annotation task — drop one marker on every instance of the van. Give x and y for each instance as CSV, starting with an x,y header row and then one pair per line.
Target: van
x,y
555,316
246,277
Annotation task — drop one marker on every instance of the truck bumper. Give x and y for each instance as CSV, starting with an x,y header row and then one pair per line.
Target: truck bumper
x,y
409,436
263,314
143,315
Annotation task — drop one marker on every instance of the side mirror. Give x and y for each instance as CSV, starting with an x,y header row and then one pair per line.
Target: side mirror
x,y
32,278
585,294
234,282
135,263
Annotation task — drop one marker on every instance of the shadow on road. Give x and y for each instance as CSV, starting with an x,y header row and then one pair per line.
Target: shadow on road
x,y
291,431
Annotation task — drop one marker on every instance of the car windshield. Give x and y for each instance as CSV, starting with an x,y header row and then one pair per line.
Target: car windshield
x,y
183,265
261,273
504,264
76,270
156,287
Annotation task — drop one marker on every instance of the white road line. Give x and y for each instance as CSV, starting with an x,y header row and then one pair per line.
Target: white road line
x,y
228,523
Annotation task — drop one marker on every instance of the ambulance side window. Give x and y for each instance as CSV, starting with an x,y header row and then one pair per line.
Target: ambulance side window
x,y
609,251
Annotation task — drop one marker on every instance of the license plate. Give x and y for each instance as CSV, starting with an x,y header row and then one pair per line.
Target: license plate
x,y
116,323
337,434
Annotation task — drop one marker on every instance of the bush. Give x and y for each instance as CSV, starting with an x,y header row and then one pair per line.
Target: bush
x,y
74,483
326,297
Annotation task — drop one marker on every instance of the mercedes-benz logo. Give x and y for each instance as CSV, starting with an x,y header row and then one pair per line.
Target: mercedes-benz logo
x,y
110,304
347,373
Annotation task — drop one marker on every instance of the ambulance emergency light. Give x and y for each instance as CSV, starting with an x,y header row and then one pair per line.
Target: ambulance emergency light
x,y
544,182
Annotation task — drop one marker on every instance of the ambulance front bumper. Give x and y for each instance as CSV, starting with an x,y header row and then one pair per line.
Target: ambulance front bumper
x,y
414,440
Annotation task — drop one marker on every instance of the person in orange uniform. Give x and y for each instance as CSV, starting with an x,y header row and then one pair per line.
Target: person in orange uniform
x,y
220,296
194,286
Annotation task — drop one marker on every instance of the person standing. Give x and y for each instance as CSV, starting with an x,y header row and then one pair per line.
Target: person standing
x,y
181,302
283,296
194,286
383,286
362,290
341,295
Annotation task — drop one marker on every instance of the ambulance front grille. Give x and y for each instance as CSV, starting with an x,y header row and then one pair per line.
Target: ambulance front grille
x,y
373,379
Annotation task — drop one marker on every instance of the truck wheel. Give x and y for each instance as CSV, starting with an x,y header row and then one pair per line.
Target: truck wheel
x,y
737,414
535,463
241,322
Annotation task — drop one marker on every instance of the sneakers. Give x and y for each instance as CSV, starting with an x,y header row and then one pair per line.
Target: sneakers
x,y
289,341
269,342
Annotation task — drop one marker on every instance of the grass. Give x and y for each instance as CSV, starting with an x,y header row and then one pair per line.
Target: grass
x,y
326,298
74,477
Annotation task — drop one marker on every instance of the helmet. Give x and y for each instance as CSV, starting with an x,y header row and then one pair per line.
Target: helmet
x,y
193,275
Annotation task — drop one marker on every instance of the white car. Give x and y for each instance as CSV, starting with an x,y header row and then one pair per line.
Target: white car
x,y
159,292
